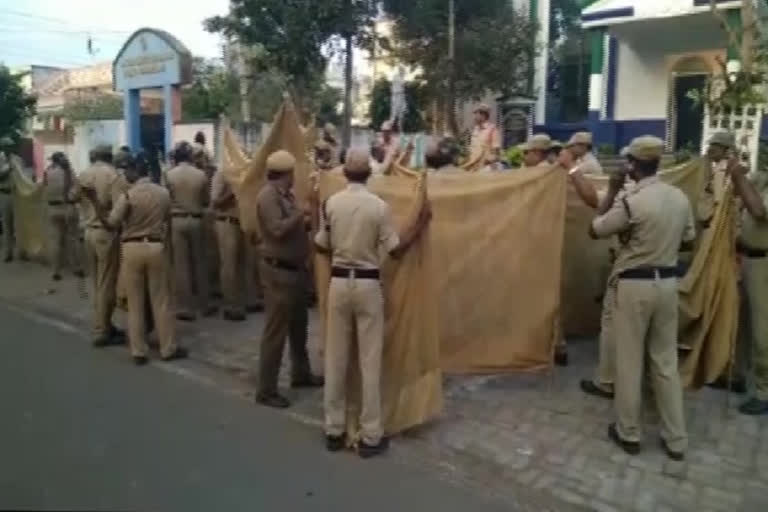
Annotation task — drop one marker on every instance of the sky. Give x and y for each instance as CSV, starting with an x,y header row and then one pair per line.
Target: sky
x,y
56,32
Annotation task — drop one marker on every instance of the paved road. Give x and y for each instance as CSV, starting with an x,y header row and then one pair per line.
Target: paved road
x,y
82,429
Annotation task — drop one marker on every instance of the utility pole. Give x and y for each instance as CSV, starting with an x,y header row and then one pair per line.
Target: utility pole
x,y
346,135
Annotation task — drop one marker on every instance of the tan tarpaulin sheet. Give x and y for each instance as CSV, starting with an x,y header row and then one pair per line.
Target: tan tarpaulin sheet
x,y
411,377
29,215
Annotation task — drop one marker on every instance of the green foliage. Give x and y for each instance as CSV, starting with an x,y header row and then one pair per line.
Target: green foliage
x,y
293,34
16,106
684,154
327,105
213,92
381,105
514,156
93,107
606,149
494,44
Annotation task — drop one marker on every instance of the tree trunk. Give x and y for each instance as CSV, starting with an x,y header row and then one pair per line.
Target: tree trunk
x,y
748,36
347,130
453,125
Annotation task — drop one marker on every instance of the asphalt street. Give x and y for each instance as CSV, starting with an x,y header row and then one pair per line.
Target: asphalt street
x,y
83,429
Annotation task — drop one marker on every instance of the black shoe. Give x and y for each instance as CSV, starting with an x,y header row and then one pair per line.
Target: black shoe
x,y
8,259
140,360
754,407
273,400
366,451
738,384
676,456
209,311
561,358
310,381
629,447
108,341
234,316
593,389
185,317
335,443
117,334
79,273
180,353
255,308
56,277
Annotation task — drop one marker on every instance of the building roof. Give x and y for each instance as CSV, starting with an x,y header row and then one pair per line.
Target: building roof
x,y
613,12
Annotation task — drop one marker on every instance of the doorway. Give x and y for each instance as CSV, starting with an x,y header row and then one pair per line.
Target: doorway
x,y
689,113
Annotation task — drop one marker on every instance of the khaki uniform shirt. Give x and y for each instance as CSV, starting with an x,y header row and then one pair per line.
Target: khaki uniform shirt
x,y
142,211
754,232
589,164
56,187
281,225
220,189
188,186
356,227
108,185
657,218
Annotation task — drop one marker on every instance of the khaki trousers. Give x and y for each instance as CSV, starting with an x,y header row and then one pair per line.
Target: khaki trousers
x,y
9,229
645,321
354,306
102,256
212,250
606,364
231,256
255,289
63,237
285,301
146,274
756,285
189,259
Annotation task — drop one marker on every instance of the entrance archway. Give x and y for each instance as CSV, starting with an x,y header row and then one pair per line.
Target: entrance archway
x,y
151,59
686,114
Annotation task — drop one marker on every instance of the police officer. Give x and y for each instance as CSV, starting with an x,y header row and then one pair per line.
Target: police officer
x,y
189,190
753,246
486,140
356,226
105,185
536,150
284,249
440,156
580,145
231,247
554,151
58,182
656,219
142,214
6,197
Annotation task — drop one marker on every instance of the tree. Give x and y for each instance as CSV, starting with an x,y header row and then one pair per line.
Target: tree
x,y
16,105
214,91
493,45
381,105
295,35
327,105
569,57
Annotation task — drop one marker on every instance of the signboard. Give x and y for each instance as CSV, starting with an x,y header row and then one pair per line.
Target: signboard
x,y
151,58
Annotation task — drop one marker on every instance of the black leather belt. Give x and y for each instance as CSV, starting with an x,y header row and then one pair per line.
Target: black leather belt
x,y
281,264
650,273
359,273
750,252
228,219
98,226
145,239
187,215
59,203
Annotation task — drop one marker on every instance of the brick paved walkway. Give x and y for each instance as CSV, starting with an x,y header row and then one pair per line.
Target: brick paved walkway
x,y
525,436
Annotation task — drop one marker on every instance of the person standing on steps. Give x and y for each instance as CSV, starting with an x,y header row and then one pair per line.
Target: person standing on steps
x,y
58,182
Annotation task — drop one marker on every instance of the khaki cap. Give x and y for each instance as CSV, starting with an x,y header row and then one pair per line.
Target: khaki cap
x,y
723,139
281,161
321,145
538,142
330,130
646,147
485,109
580,138
386,126
624,151
357,160
556,144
